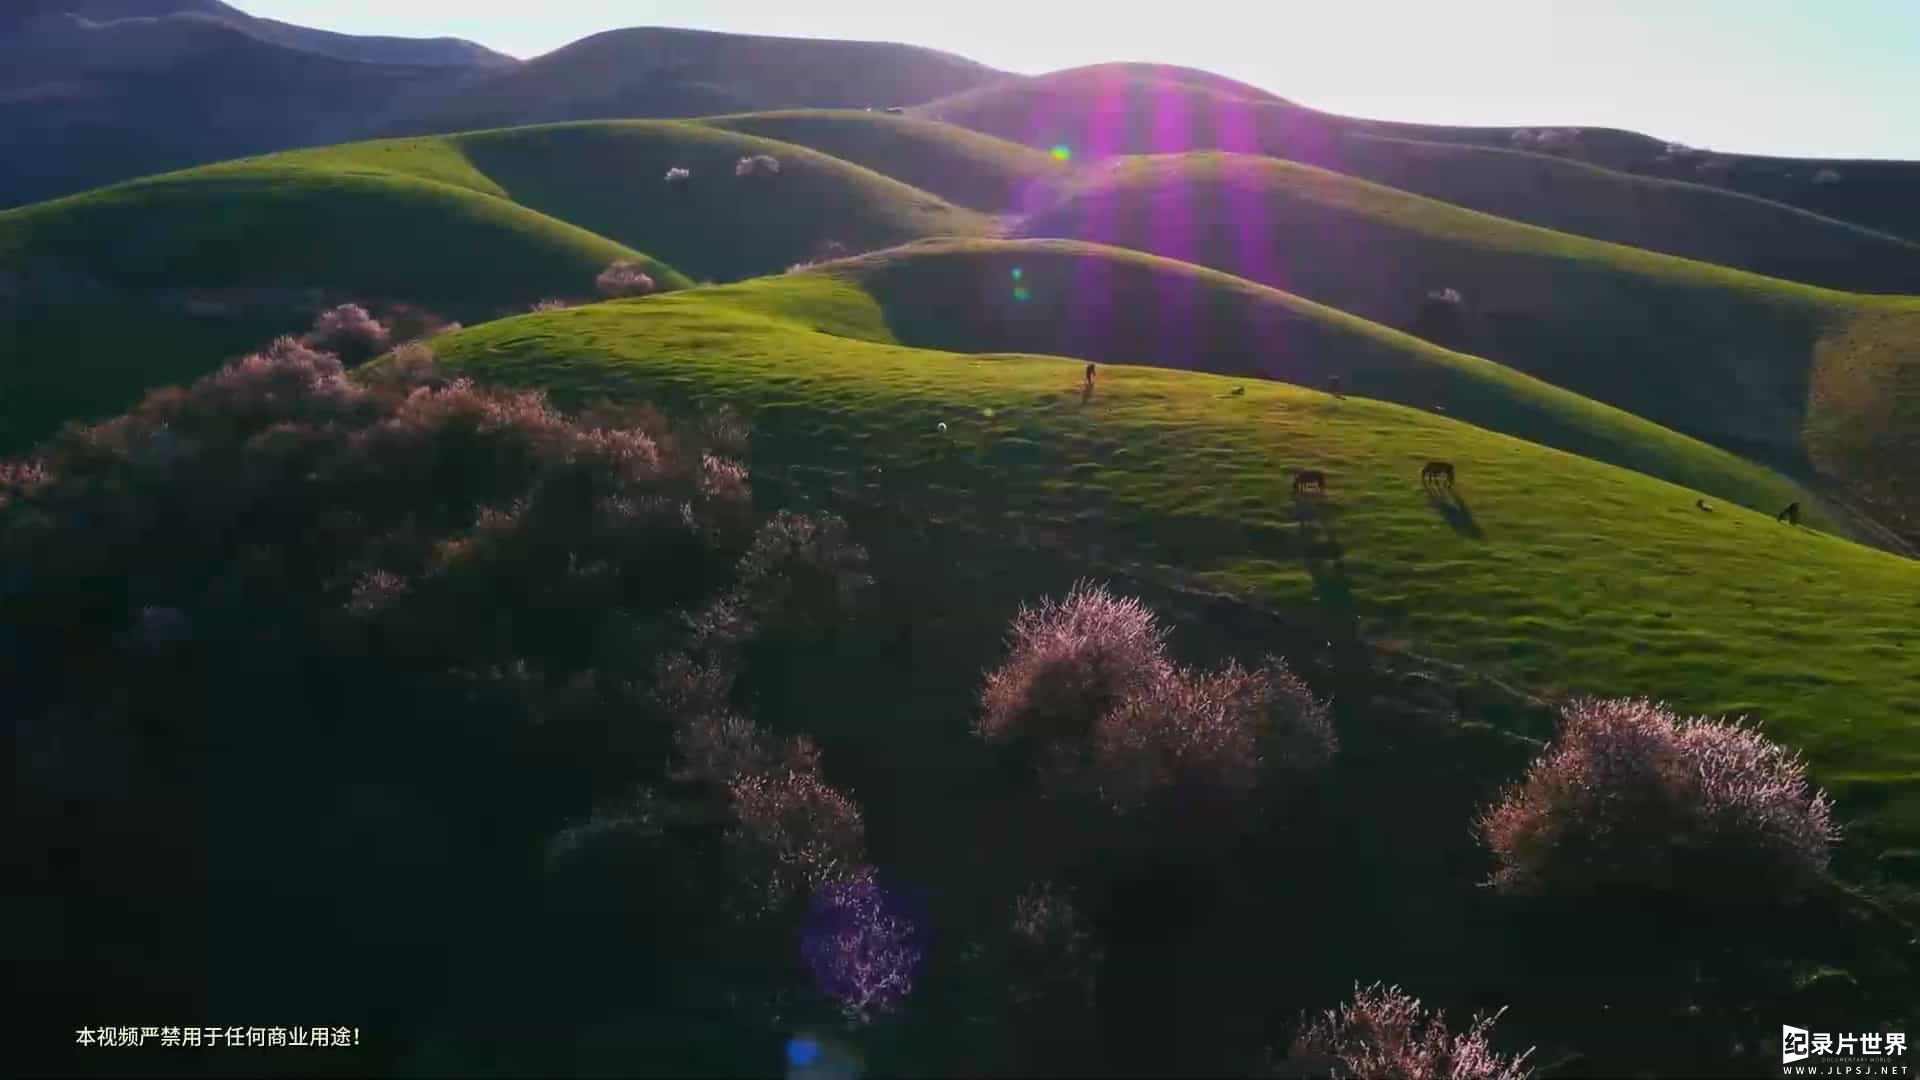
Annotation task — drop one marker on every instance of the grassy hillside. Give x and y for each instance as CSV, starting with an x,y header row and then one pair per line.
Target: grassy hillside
x,y
470,225
1717,353
1874,194
1119,306
964,167
609,177
1551,569
124,288
1691,220
1109,110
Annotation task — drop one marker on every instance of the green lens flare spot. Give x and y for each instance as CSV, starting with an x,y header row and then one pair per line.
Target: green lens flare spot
x,y
1020,293
1061,152
1017,272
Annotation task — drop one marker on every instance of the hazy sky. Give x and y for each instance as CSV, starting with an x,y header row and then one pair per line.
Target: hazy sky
x,y
1798,77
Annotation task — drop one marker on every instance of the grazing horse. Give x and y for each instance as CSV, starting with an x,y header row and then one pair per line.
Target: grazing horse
x,y
1333,385
1791,515
1309,478
1435,471
1089,376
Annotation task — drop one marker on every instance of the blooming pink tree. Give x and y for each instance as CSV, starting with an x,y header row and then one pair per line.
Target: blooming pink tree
x,y
864,947
1384,1033
1632,796
349,332
623,279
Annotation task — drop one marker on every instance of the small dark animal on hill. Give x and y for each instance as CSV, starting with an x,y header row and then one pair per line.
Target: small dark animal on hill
x,y
1237,391
1089,375
1333,386
1309,478
1702,504
1791,515
1433,472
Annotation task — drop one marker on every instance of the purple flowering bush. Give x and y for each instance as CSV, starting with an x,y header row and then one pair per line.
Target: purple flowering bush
x,y
623,279
1070,661
1632,796
286,581
349,332
864,947
1088,688
1384,1033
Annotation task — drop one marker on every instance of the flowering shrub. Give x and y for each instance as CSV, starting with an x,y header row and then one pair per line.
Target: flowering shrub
x,y
1548,140
1052,945
393,579
623,279
864,948
548,305
758,163
801,567
1196,736
1386,1034
794,830
347,331
1631,796
1069,662
1088,686
1826,177
676,175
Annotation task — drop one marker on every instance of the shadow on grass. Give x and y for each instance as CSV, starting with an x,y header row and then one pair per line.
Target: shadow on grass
x,y
1452,506
1324,557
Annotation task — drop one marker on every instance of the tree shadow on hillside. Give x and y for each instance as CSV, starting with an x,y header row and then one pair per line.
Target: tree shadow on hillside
x,y
1452,507
1324,557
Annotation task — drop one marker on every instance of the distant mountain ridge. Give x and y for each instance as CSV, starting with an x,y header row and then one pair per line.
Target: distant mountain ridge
x,y
95,91
654,72
424,52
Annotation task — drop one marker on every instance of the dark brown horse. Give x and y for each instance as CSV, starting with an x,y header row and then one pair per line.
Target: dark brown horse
x,y
1309,478
1436,471
1791,515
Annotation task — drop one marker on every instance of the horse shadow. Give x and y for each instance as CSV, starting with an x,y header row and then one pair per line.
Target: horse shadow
x,y
1453,508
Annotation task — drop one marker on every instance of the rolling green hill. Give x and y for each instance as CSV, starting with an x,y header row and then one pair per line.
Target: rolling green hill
x,y
964,167
1552,570
1717,353
114,291
1110,109
225,256
609,177
1119,306
1691,220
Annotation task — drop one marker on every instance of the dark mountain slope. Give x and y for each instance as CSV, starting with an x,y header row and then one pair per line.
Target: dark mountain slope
x,y
84,103
660,72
